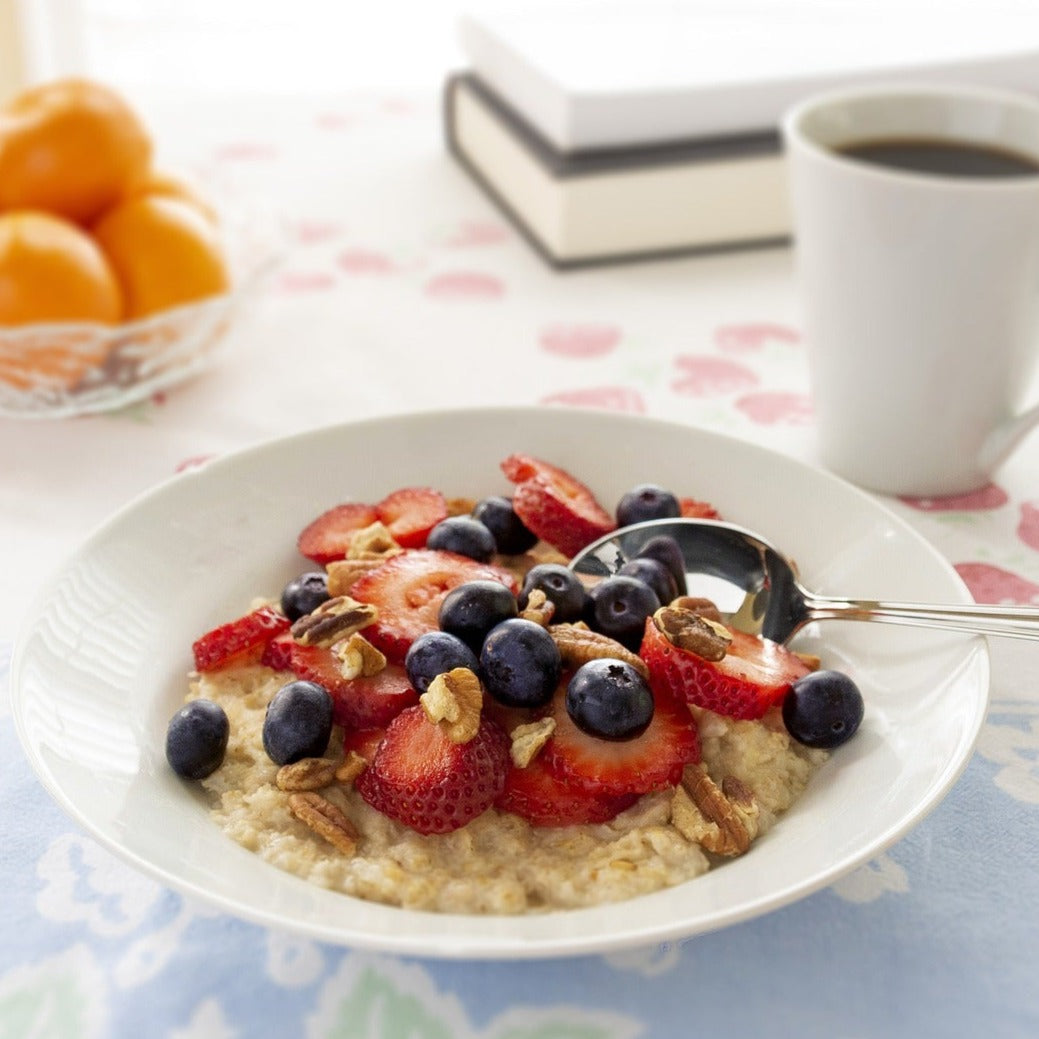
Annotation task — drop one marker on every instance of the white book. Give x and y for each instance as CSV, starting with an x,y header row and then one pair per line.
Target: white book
x,y
598,75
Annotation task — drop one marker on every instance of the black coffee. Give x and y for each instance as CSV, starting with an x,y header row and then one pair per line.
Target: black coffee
x,y
944,158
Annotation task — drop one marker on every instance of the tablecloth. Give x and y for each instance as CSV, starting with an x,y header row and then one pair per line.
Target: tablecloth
x,y
401,287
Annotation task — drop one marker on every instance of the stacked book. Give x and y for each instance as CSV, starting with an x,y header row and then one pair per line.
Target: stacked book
x,y
613,133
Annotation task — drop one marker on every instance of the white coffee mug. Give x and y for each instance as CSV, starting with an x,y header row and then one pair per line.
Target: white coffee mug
x,y
919,290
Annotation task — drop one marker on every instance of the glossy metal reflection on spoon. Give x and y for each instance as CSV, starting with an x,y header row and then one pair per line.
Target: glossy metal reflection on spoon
x,y
757,589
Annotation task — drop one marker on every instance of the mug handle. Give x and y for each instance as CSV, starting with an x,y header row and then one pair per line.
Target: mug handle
x,y
1002,440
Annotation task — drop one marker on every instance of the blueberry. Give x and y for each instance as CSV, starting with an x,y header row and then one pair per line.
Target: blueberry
x,y
823,709
559,584
609,699
196,739
653,573
304,594
664,549
435,653
472,609
618,606
298,722
520,664
510,535
647,501
464,535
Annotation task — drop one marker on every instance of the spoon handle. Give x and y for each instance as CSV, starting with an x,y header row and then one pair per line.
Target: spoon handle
x,y
1020,622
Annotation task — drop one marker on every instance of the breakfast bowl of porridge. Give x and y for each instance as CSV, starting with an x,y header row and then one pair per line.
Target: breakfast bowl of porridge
x,y
345,684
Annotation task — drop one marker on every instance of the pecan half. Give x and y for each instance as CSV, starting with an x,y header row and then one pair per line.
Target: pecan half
x,y
306,774
702,607
333,620
578,644
359,657
692,632
455,700
343,573
722,820
373,542
539,608
351,767
325,819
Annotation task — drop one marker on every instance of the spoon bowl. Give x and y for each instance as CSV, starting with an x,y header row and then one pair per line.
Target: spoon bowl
x,y
757,589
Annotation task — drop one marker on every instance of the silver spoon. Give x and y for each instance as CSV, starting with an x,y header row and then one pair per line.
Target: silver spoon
x,y
757,589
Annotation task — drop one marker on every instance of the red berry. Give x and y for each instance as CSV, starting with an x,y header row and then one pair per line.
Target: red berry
x,y
363,741
554,505
693,508
358,703
422,779
240,641
411,513
754,674
543,799
328,537
408,589
277,654
651,761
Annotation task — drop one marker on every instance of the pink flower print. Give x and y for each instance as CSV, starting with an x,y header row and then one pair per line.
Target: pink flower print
x,y
465,285
335,120
739,339
311,232
293,282
988,497
776,408
1028,527
193,462
993,584
701,376
475,233
366,261
612,398
580,340
247,151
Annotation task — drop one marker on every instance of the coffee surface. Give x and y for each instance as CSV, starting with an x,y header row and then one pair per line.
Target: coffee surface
x,y
944,158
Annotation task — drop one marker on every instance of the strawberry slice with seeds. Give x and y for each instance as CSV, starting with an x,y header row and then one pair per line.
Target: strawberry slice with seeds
x,y
408,589
240,641
693,508
543,799
555,505
368,701
424,780
328,537
363,741
754,674
652,761
411,513
277,654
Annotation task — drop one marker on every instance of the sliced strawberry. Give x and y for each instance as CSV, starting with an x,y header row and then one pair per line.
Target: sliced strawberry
x,y
277,654
648,762
328,537
543,799
240,641
422,779
408,589
363,741
357,703
411,513
693,508
554,505
753,675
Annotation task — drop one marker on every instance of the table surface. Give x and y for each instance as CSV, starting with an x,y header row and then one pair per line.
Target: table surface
x,y
401,287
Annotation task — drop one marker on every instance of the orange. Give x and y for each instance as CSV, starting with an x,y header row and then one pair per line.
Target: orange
x,y
51,270
177,186
72,147
164,253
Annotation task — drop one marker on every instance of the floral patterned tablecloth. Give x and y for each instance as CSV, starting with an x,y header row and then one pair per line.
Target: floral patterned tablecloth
x,y
400,288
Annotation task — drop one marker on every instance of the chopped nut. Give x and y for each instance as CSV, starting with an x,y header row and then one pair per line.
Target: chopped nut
x,y
702,607
689,631
351,767
539,608
343,573
325,819
812,661
527,740
723,820
577,645
333,620
306,774
359,657
373,542
455,698
460,506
